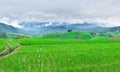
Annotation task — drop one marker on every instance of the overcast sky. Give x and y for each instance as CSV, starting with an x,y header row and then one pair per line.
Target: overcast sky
x,y
57,9
82,8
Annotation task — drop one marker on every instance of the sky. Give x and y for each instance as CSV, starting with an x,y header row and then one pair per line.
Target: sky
x,y
14,11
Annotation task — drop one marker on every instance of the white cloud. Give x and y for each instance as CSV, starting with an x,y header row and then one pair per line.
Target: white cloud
x,y
74,11
14,20
82,8
9,21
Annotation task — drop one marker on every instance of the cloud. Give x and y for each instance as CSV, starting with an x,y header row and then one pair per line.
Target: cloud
x,y
9,21
69,8
13,12
15,20
38,16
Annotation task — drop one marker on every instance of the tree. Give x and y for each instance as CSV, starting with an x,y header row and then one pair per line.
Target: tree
x,y
70,30
3,35
93,34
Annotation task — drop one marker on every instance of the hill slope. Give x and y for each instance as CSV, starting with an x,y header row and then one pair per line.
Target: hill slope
x,y
44,28
8,29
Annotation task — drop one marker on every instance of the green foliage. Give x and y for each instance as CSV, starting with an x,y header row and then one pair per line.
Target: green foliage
x,y
13,36
3,35
52,35
69,35
99,38
82,35
112,34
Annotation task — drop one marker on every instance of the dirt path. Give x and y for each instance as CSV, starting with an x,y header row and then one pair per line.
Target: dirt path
x,y
5,49
2,54
14,51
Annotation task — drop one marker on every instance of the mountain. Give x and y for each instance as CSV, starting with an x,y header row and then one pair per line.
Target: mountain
x,y
4,28
38,25
114,29
40,28
8,29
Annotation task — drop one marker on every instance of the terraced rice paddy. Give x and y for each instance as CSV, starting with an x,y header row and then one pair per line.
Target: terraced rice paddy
x,y
40,55
2,44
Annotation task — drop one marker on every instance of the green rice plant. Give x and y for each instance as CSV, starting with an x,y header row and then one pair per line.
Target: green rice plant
x,y
68,35
12,44
54,55
7,46
99,38
2,44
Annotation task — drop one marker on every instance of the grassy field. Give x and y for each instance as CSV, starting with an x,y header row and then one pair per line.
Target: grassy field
x,y
55,55
7,46
69,35
2,44
80,35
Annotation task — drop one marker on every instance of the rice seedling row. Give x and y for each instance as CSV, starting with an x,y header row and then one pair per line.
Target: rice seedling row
x,y
55,56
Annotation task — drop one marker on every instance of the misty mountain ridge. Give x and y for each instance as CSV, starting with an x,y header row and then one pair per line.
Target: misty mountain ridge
x,y
38,25
8,28
40,28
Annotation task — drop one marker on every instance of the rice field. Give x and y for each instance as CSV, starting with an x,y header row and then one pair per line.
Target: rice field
x,y
2,44
49,55
7,46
